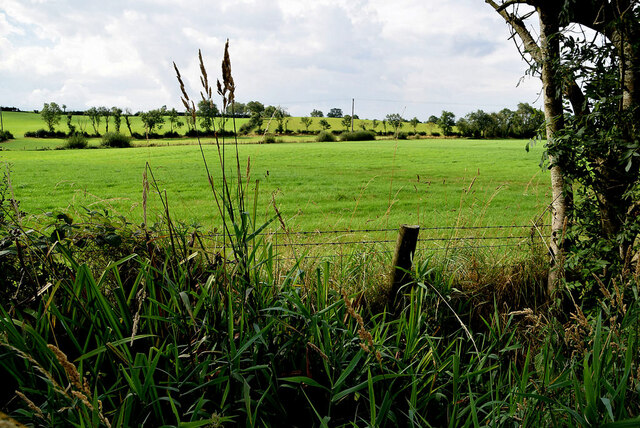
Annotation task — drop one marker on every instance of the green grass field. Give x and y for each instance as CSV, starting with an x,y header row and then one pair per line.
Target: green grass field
x,y
323,186
316,186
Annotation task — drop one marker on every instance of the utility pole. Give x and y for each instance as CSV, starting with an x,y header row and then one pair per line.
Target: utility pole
x,y
353,105
1,122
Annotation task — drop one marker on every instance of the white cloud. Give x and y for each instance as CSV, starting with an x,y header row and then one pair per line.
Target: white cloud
x,y
424,56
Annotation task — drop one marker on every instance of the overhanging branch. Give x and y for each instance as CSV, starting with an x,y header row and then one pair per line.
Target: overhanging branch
x,y
517,24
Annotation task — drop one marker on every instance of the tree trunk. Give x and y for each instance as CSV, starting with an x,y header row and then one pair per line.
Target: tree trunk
x,y
552,91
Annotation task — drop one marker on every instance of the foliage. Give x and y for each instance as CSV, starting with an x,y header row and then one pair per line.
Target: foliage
x,y
598,149
316,113
170,134
51,114
127,115
269,111
43,133
324,124
5,135
254,108
446,121
72,128
76,141
325,136
255,121
236,109
525,122
116,112
106,113
394,120
282,118
207,111
335,112
153,119
587,59
358,136
245,128
414,124
269,139
95,118
346,122
174,119
306,121
113,139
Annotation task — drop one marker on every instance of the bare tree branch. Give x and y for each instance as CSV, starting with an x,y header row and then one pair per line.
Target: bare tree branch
x,y
530,45
508,3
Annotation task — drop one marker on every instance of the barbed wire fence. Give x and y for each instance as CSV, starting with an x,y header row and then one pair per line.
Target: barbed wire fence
x,y
318,245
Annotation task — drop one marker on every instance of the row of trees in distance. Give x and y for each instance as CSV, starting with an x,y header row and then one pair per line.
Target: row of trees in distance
x,y
523,122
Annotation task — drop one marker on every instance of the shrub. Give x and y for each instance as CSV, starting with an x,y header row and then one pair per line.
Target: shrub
x,y
423,133
435,134
43,133
269,139
357,136
76,141
171,134
245,128
402,135
210,133
5,135
324,136
113,139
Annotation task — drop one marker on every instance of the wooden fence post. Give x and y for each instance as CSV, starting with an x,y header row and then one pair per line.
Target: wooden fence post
x,y
402,260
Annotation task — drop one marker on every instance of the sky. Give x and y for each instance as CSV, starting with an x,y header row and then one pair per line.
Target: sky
x,y
412,57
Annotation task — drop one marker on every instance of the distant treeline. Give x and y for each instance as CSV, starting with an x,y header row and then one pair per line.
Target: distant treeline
x,y
525,122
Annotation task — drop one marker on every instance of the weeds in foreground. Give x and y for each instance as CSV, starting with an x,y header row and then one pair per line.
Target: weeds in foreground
x,y
164,347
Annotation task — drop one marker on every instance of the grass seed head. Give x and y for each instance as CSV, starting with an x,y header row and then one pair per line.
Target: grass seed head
x,y
31,405
185,97
204,79
70,369
227,78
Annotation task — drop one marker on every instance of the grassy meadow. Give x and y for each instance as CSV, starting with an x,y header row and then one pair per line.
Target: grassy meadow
x,y
437,183
356,185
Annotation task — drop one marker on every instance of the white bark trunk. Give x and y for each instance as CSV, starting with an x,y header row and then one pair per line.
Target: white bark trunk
x,y
552,91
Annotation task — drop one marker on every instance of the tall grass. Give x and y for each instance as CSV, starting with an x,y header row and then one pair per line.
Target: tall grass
x,y
154,340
